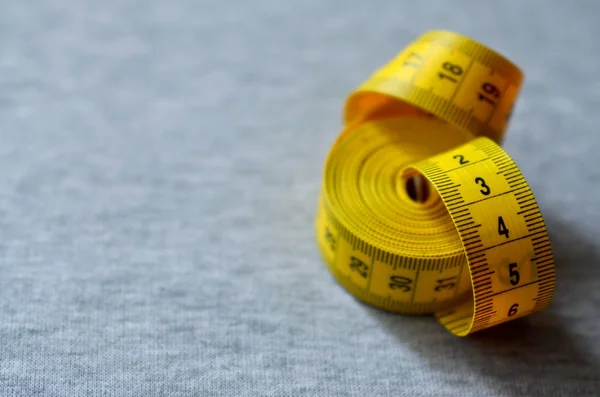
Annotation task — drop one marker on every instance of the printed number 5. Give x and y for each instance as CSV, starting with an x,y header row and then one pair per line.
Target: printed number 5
x,y
514,274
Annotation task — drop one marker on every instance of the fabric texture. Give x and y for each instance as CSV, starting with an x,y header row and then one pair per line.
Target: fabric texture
x,y
160,165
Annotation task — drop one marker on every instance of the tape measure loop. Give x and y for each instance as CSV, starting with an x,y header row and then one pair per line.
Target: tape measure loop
x,y
421,210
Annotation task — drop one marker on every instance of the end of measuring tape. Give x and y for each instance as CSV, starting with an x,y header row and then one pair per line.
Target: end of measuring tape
x,y
421,210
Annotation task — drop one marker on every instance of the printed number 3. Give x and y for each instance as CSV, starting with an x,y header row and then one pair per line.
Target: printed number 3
x,y
486,189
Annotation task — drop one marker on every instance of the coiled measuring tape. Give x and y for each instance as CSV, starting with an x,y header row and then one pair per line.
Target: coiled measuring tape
x,y
421,210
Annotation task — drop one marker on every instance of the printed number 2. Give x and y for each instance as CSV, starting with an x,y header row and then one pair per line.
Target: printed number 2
x,y
502,227
461,159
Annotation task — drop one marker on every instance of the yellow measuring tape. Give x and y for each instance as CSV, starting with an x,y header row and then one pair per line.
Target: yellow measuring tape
x,y
421,210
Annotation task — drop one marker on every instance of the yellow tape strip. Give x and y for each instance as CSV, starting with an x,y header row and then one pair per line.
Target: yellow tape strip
x,y
421,210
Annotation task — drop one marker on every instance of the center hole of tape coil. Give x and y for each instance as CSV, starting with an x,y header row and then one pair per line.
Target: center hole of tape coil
x,y
417,188
414,188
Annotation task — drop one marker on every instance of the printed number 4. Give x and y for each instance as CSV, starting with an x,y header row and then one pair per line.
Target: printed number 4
x,y
502,230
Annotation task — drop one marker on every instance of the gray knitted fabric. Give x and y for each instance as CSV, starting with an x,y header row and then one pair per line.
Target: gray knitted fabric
x,y
160,163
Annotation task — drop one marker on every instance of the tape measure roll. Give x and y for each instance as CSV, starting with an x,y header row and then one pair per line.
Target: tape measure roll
x,y
421,210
